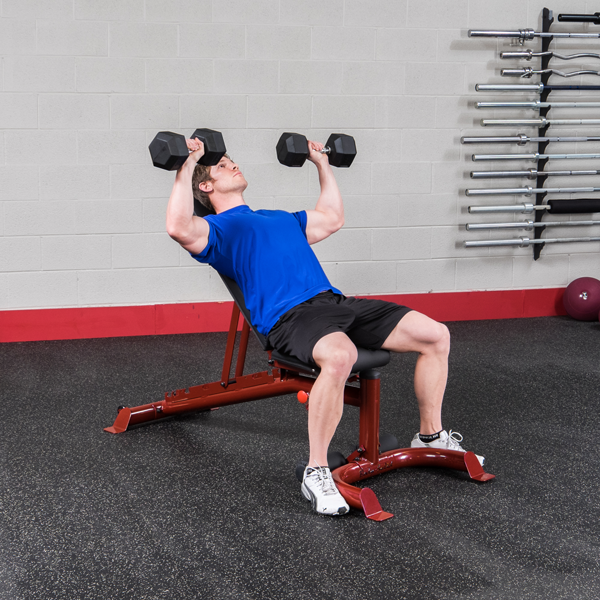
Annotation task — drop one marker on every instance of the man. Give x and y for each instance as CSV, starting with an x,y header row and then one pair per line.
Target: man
x,y
292,302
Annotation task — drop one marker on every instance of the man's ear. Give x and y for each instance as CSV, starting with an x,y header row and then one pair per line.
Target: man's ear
x,y
206,186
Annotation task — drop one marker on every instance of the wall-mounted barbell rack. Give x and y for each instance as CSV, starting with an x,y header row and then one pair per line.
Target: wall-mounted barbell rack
x,y
543,105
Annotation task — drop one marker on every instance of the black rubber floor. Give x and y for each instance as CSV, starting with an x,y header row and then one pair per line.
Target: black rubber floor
x,y
208,506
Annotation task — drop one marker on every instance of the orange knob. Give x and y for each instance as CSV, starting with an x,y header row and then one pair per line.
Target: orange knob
x,y
303,397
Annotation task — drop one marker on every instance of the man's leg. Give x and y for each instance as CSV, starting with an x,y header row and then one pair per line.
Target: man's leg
x,y
335,354
417,333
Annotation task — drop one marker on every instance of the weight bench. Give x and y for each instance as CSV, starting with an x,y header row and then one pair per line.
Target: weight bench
x,y
288,375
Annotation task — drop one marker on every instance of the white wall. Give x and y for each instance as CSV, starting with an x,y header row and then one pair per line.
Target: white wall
x,y
86,84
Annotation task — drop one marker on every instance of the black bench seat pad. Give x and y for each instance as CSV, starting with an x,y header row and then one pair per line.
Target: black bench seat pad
x,y
367,359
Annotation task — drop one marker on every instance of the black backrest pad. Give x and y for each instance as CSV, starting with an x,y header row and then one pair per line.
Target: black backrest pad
x,y
238,297
200,210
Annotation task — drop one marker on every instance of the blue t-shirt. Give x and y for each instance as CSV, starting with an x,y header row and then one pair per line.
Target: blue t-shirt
x,y
267,254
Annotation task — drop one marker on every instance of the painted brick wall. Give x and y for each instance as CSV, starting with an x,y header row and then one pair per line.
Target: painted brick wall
x,y
85,85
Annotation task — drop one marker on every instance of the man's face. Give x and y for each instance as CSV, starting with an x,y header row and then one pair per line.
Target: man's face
x,y
227,177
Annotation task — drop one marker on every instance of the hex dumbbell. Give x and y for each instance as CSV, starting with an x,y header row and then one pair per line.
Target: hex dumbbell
x,y
292,149
169,150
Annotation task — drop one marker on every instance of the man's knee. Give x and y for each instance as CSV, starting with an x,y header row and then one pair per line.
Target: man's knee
x,y
335,354
443,339
418,333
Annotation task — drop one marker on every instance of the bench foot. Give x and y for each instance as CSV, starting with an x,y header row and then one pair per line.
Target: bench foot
x,y
371,506
365,499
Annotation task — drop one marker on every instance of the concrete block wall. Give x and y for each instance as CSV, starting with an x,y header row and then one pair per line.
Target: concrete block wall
x,y
85,86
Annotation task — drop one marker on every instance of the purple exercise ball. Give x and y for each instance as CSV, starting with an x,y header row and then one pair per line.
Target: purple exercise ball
x,y
582,299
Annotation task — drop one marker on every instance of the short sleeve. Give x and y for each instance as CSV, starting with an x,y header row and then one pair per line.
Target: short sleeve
x,y
208,252
301,218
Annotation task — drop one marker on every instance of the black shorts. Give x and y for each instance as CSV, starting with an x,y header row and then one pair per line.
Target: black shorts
x,y
368,323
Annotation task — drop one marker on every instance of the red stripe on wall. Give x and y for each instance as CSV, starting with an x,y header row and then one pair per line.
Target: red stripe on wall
x,y
477,306
114,321
162,319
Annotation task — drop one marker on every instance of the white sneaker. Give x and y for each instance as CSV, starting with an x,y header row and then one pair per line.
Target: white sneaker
x,y
446,441
318,487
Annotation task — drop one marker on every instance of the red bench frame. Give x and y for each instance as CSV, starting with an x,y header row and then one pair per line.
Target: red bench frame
x,y
281,379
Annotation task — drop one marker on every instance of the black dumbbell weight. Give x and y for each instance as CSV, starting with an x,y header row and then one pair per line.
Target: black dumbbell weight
x,y
169,150
292,149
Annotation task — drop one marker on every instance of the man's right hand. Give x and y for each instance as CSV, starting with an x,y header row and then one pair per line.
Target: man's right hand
x,y
196,148
183,226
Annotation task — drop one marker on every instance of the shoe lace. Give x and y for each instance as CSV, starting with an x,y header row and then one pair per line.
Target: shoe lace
x,y
325,480
454,439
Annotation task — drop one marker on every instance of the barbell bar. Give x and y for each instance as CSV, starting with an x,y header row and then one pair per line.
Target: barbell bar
x,y
537,105
529,54
541,122
529,34
534,156
529,191
528,72
521,139
528,225
529,173
559,206
525,242
529,87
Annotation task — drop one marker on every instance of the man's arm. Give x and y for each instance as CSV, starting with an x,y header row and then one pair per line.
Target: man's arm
x,y
182,225
328,215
